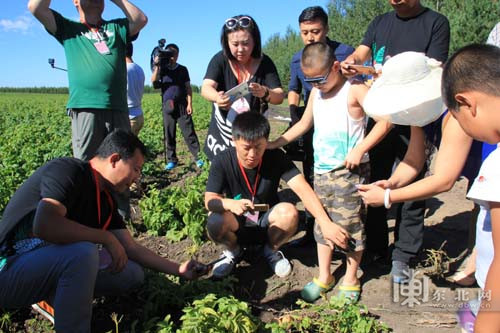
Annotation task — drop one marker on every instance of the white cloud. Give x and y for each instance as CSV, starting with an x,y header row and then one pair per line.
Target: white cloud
x,y
21,24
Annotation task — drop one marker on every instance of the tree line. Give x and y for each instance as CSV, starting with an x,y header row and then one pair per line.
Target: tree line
x,y
470,22
64,90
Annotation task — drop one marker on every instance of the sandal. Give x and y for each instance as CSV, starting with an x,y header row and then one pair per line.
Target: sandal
x,y
314,289
350,293
462,279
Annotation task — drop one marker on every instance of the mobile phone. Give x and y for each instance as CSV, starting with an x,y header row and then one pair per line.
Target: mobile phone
x,y
261,207
367,70
202,269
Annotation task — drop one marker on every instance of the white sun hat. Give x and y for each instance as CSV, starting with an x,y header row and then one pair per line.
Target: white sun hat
x,y
408,92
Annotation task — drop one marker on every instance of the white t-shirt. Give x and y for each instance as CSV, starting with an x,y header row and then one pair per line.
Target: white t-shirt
x,y
135,89
494,36
485,190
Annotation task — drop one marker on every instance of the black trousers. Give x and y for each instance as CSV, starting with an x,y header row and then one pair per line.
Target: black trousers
x,y
185,121
307,139
409,231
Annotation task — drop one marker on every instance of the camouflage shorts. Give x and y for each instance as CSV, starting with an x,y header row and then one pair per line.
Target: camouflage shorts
x,y
338,193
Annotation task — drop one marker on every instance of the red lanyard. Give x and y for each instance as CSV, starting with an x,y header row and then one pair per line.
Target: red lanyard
x,y
98,196
254,191
238,71
99,37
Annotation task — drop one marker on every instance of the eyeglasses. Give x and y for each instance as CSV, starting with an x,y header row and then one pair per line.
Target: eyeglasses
x,y
319,81
232,23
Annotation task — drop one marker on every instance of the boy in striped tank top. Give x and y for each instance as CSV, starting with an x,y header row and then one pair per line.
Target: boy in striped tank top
x,y
340,163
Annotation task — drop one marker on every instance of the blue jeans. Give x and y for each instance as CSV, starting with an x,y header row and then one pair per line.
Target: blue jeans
x,y
67,275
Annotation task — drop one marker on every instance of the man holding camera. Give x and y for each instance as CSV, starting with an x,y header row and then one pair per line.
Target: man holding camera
x,y
177,106
95,53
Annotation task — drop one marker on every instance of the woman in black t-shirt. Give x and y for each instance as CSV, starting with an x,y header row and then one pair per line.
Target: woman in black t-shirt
x,y
241,60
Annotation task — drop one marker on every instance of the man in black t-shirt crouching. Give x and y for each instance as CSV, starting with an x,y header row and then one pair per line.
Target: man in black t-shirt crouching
x,y
243,178
63,241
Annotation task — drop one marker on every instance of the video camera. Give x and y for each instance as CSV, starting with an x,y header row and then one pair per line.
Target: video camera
x,y
164,54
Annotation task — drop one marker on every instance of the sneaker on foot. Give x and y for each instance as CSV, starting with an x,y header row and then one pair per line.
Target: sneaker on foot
x,y
400,272
279,264
170,165
200,163
45,309
224,267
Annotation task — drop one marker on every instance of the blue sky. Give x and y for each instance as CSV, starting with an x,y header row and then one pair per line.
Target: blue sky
x,y
193,25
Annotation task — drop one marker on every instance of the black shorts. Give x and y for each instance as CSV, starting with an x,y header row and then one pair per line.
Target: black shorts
x,y
251,233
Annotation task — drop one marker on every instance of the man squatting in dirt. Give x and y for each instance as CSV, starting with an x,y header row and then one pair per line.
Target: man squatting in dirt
x,y
51,228
246,175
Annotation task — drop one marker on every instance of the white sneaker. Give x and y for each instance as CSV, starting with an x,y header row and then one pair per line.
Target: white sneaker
x,y
279,264
224,267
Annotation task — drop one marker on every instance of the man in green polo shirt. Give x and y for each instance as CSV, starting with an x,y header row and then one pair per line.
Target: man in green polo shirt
x,y
95,54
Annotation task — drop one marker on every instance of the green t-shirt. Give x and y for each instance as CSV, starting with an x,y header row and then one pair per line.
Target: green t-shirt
x,y
95,80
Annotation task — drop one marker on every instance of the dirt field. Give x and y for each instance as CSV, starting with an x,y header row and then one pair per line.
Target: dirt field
x,y
447,219
431,308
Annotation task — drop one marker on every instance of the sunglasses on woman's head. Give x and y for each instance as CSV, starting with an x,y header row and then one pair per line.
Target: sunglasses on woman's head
x,y
243,22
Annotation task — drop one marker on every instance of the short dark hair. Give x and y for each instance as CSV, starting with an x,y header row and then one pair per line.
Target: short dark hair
x,y
475,67
130,50
250,126
122,142
254,31
317,54
314,13
172,46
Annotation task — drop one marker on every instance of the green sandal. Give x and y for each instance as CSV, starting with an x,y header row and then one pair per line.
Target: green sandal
x,y
314,289
350,293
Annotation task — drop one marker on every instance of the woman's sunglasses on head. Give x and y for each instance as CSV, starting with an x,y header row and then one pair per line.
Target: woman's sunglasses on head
x,y
233,23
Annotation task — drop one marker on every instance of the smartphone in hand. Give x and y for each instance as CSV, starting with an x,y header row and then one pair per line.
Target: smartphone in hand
x,y
366,70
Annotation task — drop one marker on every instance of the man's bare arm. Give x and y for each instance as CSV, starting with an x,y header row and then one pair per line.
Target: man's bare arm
x,y
42,12
137,19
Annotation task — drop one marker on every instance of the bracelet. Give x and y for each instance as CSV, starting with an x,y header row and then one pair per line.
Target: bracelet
x,y
387,199
266,95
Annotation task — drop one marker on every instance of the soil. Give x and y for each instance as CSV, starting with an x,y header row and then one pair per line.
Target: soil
x,y
447,219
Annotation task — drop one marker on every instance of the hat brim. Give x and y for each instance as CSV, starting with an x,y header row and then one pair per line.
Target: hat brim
x,y
415,103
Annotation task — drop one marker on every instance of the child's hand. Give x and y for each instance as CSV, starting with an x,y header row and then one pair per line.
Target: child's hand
x,y
353,158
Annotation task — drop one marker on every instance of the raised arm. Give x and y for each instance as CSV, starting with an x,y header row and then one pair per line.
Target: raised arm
x,y
137,19
42,12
